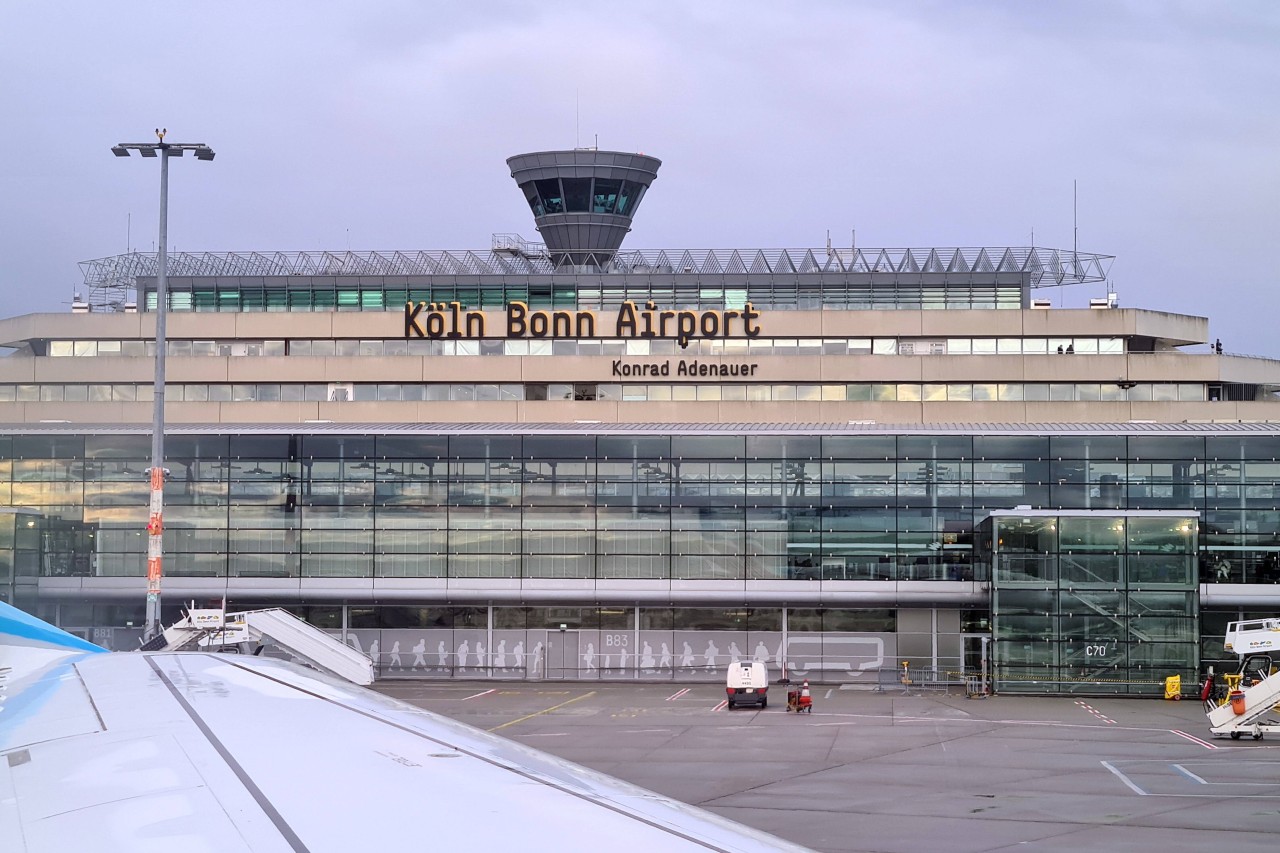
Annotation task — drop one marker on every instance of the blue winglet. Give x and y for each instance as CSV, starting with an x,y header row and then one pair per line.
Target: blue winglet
x,y
18,628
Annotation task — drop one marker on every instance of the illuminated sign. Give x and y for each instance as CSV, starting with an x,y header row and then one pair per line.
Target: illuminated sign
x,y
437,320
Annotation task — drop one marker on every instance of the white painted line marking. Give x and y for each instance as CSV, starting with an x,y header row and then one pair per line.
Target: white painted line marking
x,y
1194,739
1185,772
724,703
478,695
677,694
1125,779
828,696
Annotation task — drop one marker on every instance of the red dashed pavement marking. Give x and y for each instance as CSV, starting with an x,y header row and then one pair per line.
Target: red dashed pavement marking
x,y
1095,712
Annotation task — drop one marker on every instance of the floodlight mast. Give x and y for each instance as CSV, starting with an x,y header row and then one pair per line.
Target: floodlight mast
x,y
157,472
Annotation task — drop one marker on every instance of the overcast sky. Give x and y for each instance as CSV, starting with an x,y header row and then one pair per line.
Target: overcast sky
x,y
385,125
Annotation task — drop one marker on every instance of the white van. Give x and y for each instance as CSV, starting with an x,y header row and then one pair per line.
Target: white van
x,y
747,684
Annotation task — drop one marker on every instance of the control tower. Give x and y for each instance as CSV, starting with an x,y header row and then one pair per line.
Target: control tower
x,y
583,200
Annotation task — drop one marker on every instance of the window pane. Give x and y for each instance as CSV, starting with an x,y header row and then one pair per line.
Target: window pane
x,y
577,191
605,195
549,192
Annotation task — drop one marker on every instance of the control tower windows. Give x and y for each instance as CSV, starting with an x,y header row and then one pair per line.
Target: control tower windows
x,y
577,194
552,198
629,198
531,194
605,195
582,195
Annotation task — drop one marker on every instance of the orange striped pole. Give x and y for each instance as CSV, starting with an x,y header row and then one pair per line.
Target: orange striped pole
x,y
155,539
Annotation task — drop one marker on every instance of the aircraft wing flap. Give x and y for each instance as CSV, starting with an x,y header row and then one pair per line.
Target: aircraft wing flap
x,y
141,776
132,794
46,704
58,778
187,821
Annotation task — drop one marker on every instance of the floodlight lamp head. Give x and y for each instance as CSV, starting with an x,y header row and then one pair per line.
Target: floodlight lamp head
x,y
120,151
204,154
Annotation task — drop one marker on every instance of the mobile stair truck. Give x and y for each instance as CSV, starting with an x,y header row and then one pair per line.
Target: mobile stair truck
x,y
214,629
1253,692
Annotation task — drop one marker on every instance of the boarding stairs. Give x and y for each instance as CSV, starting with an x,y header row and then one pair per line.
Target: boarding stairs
x,y
1124,623
215,629
1259,717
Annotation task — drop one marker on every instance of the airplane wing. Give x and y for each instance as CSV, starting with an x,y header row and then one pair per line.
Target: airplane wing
x,y
194,752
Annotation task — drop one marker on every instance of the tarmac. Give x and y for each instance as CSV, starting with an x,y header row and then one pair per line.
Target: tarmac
x,y
896,772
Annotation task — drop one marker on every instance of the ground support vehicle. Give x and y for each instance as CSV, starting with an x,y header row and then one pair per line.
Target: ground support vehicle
x,y
1256,642
1253,636
747,683
1250,711
799,700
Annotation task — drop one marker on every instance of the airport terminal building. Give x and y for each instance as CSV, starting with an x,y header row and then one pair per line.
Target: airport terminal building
x,y
570,460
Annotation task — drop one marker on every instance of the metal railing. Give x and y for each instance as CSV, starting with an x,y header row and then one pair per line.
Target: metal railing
x,y
516,245
909,679
109,279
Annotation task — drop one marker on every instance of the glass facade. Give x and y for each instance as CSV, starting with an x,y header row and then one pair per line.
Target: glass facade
x,y
1098,586
337,392
1094,600
778,293
589,346
587,642
578,195
732,506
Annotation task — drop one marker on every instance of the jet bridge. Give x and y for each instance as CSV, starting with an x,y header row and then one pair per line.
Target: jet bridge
x,y
212,629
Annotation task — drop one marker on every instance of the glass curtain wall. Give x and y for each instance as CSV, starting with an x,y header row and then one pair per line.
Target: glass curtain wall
x,y
1096,602
740,507
774,291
